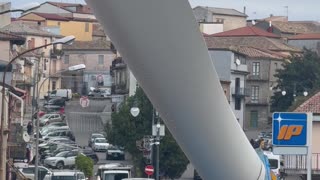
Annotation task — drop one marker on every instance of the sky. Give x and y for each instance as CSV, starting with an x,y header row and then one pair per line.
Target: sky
x,y
255,9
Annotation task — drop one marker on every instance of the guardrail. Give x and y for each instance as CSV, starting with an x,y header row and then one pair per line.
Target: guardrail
x,y
299,162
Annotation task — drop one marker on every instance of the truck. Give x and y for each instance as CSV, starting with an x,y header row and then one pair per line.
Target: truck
x,y
63,93
114,171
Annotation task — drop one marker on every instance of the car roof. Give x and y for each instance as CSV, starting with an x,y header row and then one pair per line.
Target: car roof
x,y
64,172
100,138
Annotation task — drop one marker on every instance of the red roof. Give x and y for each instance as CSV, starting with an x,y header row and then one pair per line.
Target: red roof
x,y
305,36
310,105
246,31
80,8
51,16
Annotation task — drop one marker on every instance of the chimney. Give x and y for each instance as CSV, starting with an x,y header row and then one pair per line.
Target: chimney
x,y
244,9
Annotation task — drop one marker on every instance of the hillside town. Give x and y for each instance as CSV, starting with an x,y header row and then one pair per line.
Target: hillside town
x,y
56,54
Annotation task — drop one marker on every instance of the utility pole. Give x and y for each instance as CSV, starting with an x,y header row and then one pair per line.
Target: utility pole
x,y
34,103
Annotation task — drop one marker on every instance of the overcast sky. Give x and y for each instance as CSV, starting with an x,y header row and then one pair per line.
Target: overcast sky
x,y
298,9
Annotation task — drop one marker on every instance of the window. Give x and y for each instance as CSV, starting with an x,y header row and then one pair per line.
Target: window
x,y
86,28
54,85
220,20
237,104
31,43
254,119
241,58
45,42
58,23
254,94
101,59
66,59
45,65
256,68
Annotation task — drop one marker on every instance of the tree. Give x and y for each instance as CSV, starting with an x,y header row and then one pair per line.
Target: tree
x,y
299,74
84,164
125,130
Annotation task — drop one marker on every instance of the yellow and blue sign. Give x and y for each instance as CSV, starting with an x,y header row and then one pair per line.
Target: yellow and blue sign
x,y
289,129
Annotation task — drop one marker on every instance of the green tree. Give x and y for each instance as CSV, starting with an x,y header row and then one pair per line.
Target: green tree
x,y
125,130
299,74
84,164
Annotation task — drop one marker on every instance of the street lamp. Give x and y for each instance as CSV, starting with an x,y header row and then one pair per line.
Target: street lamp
x,y
64,40
27,7
71,68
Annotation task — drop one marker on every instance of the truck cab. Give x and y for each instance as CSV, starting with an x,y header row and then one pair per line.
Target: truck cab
x,y
114,171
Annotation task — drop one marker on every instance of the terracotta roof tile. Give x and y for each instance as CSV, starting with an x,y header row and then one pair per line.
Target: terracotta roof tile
x,y
89,45
255,53
80,8
51,16
305,36
9,36
224,11
259,42
296,27
246,31
310,105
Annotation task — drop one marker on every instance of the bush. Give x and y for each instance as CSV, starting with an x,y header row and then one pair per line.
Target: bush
x,y
84,164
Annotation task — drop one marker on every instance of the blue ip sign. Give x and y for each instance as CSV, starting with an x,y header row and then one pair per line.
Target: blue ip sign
x,y
289,129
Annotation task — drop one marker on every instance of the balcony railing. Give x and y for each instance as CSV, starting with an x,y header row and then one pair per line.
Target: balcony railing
x,y
299,162
242,92
259,77
258,101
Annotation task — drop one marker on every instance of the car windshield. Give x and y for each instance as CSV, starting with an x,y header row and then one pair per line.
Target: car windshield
x,y
62,154
100,140
113,148
97,135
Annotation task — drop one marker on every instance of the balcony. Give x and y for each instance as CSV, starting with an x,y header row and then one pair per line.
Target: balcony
x,y
120,89
259,101
297,164
19,78
240,92
118,63
260,77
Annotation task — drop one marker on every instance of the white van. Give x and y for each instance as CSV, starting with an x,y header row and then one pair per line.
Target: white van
x,y
275,162
68,175
64,93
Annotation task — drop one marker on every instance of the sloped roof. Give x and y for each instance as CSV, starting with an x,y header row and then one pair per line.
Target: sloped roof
x,y
310,36
25,28
48,16
89,45
271,44
97,30
246,31
80,8
276,18
310,105
256,53
8,36
223,11
296,27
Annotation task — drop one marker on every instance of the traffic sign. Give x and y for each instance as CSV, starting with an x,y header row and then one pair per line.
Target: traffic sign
x,y
84,101
290,129
149,170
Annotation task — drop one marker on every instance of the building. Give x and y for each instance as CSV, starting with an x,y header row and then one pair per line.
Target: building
x,y
5,19
263,53
230,18
289,28
81,28
97,56
48,57
309,41
232,73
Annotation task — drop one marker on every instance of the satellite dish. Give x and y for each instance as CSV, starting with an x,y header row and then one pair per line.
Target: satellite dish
x,y
25,137
238,62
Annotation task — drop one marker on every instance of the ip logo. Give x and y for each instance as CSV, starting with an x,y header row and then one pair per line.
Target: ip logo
x,y
289,129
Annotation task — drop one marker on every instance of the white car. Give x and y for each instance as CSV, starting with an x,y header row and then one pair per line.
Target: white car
x,y
62,160
100,144
49,118
59,175
29,172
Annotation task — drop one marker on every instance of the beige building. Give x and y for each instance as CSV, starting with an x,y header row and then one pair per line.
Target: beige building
x,y
48,57
230,18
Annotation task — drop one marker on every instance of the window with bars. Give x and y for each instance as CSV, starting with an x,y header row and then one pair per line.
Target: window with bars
x,y
255,94
256,68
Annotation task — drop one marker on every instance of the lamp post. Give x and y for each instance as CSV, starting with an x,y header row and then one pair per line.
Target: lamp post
x,y
3,144
71,68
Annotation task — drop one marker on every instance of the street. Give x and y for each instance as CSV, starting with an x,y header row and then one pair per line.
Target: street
x,y
84,121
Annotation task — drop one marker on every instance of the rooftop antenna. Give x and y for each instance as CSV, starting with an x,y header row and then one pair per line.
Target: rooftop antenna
x,y
287,8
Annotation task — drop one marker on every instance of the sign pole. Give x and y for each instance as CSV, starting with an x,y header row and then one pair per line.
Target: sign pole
x,y
309,155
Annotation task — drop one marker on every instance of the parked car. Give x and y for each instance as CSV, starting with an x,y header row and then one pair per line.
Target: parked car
x,y
100,144
56,102
91,154
49,118
114,153
60,133
63,93
62,160
93,136
46,131
68,175
44,173
54,124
